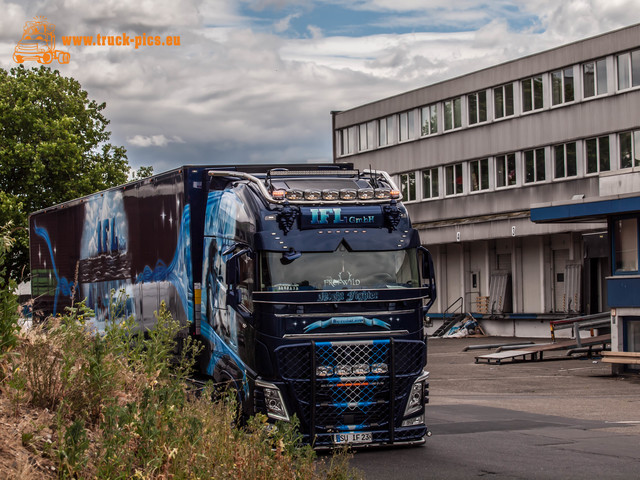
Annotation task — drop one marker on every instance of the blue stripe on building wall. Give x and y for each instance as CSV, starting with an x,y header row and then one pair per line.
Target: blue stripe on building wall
x,y
623,291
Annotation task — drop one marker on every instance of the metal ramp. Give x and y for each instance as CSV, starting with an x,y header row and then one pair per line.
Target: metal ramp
x,y
448,323
536,352
453,314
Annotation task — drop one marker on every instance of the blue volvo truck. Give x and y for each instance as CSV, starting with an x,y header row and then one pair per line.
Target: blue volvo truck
x,y
306,285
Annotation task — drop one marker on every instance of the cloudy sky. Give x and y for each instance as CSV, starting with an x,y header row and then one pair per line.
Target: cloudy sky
x,y
254,81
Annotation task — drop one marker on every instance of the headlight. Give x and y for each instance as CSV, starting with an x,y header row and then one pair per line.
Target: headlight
x,y
360,369
343,370
412,422
417,395
324,371
273,400
379,368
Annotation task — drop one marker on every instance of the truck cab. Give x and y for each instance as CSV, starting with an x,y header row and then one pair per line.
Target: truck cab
x,y
314,291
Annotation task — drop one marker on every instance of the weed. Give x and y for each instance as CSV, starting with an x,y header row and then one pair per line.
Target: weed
x,y
72,450
17,389
9,313
124,409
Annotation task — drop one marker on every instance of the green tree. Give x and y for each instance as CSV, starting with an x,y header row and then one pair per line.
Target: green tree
x,y
54,146
142,172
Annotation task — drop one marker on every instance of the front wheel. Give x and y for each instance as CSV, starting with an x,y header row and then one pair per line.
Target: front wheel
x,y
229,388
46,58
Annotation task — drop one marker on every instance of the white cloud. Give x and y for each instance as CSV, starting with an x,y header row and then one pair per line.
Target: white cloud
x,y
11,21
232,93
284,24
153,140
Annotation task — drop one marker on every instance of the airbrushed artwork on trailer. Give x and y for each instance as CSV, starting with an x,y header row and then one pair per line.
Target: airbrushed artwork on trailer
x,y
226,224
102,250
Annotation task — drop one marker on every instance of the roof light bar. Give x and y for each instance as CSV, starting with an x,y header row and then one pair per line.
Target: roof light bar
x,y
330,194
312,195
278,194
382,193
365,193
348,194
295,195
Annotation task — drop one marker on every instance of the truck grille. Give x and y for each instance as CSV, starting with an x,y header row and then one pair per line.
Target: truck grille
x,y
353,401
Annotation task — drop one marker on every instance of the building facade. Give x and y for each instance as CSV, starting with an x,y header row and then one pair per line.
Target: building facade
x,y
618,205
472,154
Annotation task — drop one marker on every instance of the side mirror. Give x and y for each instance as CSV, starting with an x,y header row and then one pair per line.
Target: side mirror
x,y
232,276
428,273
289,256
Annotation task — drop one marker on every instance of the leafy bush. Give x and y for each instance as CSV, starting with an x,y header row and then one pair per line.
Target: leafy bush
x,y
124,408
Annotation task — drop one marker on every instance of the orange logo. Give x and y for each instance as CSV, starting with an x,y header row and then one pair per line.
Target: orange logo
x,y
38,43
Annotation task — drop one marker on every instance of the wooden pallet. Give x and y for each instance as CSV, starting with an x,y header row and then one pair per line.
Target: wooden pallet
x,y
629,358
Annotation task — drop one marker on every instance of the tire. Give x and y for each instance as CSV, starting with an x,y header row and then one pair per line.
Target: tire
x,y
229,382
46,58
63,58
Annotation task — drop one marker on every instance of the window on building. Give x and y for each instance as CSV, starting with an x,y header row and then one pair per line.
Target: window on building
x,y
453,179
408,186
562,90
453,113
348,139
363,138
630,149
625,232
594,78
628,70
385,131
506,170
534,165
366,136
479,175
532,94
564,158
429,120
503,100
598,154
430,183
477,104
406,125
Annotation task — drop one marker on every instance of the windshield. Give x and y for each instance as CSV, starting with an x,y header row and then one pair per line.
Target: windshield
x,y
339,270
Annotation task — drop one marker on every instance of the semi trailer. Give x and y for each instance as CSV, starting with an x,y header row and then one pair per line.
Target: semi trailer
x,y
306,285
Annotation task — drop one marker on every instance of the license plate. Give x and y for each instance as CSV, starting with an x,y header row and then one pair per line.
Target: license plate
x,y
352,437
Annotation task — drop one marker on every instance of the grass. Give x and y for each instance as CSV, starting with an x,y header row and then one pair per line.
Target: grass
x,y
120,406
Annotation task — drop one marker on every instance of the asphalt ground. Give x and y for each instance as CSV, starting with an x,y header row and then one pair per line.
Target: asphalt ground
x,y
575,387
560,418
